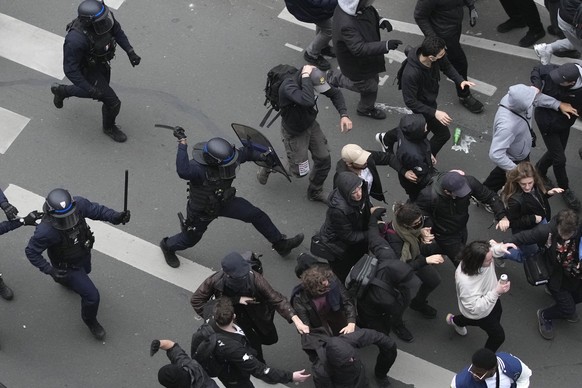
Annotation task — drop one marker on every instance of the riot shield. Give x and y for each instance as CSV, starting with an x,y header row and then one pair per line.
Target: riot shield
x,y
250,137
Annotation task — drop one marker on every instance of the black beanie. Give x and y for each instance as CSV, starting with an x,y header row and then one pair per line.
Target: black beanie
x,y
484,359
172,376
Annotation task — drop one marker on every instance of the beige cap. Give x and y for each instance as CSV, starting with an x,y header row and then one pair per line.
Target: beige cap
x,y
354,154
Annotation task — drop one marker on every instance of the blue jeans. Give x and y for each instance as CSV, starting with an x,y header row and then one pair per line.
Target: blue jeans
x,y
518,255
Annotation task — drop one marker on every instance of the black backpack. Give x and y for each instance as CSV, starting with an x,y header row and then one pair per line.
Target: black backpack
x,y
399,74
363,274
202,349
275,78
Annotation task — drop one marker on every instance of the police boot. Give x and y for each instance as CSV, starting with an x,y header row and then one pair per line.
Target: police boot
x,y
285,245
115,133
170,256
59,93
5,291
96,329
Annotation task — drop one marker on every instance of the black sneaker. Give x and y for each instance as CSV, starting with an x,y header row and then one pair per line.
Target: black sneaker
x,y
320,62
531,37
574,54
472,104
115,133
556,32
545,326
286,245
383,382
5,292
571,200
170,256
403,333
59,95
96,329
509,25
317,196
425,309
374,113
328,51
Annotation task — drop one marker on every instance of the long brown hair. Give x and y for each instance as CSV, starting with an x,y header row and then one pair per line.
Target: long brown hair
x,y
523,170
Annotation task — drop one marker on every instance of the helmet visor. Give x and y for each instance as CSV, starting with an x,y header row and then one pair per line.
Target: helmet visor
x,y
64,219
103,21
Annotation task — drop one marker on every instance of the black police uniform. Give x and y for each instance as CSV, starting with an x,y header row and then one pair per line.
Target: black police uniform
x,y
87,52
69,251
211,195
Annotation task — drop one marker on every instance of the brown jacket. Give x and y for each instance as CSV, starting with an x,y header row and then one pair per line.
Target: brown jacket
x,y
267,298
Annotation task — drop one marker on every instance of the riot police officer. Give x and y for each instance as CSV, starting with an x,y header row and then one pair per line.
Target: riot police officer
x,y
89,46
210,174
65,235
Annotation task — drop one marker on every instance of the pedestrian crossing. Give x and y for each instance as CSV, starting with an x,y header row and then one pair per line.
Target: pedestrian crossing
x,y
12,125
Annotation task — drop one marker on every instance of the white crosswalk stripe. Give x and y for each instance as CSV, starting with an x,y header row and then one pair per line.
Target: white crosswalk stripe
x,y
12,125
148,258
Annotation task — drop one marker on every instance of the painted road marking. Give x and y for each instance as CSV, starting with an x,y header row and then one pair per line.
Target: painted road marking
x,y
115,4
148,258
12,125
31,46
293,47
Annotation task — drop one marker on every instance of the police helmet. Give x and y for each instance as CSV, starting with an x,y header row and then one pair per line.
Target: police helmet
x,y
216,152
96,13
61,209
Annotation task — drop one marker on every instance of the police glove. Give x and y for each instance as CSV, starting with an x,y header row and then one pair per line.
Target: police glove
x,y
393,44
179,133
270,158
95,93
473,17
31,218
59,275
122,218
385,24
9,209
154,347
133,58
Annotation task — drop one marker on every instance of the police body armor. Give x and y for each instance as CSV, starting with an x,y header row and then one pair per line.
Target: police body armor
x,y
75,244
214,191
101,47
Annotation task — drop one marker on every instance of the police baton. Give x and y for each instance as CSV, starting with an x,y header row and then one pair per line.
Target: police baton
x,y
125,193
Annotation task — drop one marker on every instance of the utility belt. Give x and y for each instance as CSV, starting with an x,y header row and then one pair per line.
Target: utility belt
x,y
209,200
67,266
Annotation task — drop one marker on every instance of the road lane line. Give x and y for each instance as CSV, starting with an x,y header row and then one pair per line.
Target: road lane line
x,y
293,47
148,258
12,125
114,4
31,46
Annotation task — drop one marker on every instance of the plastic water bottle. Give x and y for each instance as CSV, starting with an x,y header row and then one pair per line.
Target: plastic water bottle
x,y
457,136
503,279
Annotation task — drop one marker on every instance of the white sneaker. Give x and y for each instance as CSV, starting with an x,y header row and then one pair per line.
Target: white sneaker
x,y
379,138
462,331
544,52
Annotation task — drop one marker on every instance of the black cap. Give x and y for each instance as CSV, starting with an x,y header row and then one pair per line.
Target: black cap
x,y
456,184
568,72
172,376
235,265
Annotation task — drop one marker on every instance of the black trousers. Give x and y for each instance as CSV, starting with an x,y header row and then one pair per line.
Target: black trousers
x,y
497,178
440,134
491,324
452,245
555,156
458,59
523,10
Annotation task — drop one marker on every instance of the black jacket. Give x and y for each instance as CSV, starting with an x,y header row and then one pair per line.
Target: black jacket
x,y
549,120
330,357
240,360
568,9
522,208
198,376
420,84
448,215
346,222
299,103
442,18
376,158
356,38
547,236
311,11
76,50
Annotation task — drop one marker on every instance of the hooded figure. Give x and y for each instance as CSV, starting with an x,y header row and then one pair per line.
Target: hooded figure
x,y
346,222
513,136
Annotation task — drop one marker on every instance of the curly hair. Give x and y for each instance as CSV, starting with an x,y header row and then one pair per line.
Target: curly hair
x,y
523,170
473,256
223,311
313,279
567,221
406,213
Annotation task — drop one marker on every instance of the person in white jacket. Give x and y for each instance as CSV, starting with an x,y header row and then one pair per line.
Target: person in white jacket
x,y
478,292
